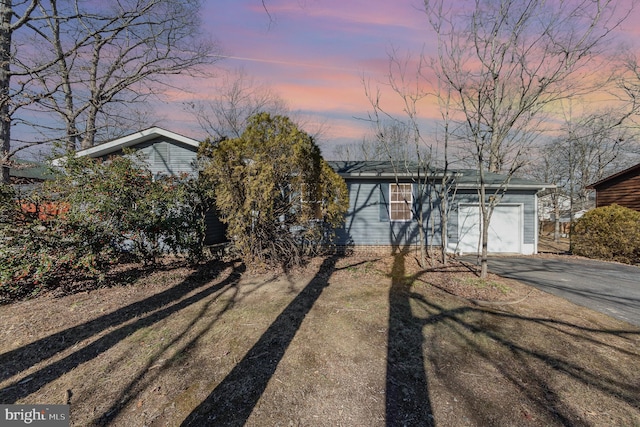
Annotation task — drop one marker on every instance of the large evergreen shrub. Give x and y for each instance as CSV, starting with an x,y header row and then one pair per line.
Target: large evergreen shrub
x,y
608,233
278,197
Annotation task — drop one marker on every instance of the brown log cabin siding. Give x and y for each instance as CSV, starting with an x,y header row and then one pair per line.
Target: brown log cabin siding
x,y
622,188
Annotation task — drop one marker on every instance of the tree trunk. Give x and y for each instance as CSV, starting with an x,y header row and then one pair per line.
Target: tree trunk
x,y
484,261
6,13
423,244
63,71
556,213
484,232
443,223
89,138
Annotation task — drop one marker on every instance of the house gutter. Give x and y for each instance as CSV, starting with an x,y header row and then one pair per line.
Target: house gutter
x,y
405,175
539,188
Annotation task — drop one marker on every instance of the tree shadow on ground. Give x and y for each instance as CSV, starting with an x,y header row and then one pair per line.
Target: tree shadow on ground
x,y
407,389
233,399
202,321
500,349
146,313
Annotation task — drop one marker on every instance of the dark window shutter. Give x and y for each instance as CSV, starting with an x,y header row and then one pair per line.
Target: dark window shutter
x,y
384,203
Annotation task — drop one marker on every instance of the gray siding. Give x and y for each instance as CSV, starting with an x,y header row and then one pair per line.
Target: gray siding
x,y
170,157
166,156
367,221
525,198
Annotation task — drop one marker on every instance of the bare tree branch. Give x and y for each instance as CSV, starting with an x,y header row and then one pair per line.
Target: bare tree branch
x,y
507,62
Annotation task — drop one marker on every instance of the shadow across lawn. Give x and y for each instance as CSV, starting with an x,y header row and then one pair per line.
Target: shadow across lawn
x,y
233,400
407,389
210,311
146,313
478,353
492,365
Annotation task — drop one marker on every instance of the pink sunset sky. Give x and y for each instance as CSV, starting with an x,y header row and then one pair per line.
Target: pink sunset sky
x,y
315,55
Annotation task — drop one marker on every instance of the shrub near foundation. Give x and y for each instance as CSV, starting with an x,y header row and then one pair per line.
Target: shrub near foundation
x,y
94,215
278,197
610,233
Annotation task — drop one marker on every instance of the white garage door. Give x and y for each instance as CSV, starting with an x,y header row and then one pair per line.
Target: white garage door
x,y
505,229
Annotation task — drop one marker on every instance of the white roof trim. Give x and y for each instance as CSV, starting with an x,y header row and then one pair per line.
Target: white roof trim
x,y
475,186
133,139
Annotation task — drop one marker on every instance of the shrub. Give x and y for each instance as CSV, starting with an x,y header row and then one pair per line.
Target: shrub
x,y
279,199
37,249
119,203
91,216
609,233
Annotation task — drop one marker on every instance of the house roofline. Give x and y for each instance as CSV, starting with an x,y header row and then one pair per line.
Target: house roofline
x,y
403,175
612,177
436,176
466,178
538,187
129,140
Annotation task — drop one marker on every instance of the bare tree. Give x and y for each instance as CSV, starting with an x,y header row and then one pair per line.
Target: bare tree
x,y
10,98
402,139
366,149
113,54
389,139
589,148
348,152
590,144
447,187
237,98
87,63
506,61
549,167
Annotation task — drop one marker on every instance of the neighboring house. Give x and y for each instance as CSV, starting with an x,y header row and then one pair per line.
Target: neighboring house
x,y
379,218
622,188
549,201
26,175
167,153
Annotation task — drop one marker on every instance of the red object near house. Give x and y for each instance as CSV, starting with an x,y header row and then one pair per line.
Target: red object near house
x,y
45,210
622,188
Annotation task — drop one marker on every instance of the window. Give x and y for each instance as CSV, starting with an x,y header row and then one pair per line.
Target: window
x,y
401,201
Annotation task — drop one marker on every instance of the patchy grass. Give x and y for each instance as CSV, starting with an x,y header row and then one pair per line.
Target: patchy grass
x,y
484,283
344,341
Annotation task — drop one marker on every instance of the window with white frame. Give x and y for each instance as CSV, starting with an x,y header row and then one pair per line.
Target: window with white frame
x,y
401,198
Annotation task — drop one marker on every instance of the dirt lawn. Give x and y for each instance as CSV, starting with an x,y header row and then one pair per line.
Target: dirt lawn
x,y
343,342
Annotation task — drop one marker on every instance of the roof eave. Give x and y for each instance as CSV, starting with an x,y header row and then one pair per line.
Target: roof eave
x,y
392,175
537,187
612,177
374,175
130,140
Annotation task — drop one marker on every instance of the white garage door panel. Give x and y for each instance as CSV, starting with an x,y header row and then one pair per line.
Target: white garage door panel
x,y
505,229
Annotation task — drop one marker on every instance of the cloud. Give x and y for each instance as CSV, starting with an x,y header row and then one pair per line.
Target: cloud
x,y
381,13
288,63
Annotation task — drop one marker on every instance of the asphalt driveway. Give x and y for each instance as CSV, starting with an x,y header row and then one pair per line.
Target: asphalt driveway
x,y
613,289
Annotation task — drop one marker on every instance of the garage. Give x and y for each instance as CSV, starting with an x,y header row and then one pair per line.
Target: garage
x,y
505,229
